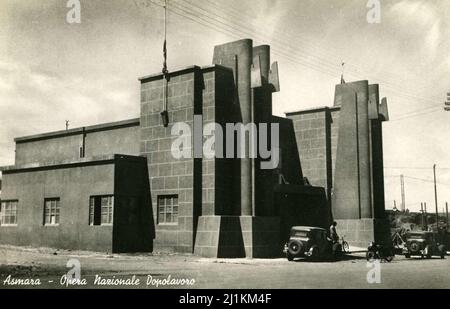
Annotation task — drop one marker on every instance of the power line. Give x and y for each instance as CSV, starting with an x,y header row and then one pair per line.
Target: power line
x,y
415,168
333,72
319,49
276,51
323,68
435,110
218,25
417,179
427,180
420,110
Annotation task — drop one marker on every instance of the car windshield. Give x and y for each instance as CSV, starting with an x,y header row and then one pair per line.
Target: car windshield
x,y
297,233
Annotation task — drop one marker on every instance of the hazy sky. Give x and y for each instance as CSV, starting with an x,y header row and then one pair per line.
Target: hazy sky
x,y
51,71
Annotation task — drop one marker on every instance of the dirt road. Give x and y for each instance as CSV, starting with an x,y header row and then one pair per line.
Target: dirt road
x,y
19,266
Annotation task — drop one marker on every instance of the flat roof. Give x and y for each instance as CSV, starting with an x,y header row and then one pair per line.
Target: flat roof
x,y
75,131
95,160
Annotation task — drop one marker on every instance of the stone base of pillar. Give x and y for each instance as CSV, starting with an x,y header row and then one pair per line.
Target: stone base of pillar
x,y
360,232
238,237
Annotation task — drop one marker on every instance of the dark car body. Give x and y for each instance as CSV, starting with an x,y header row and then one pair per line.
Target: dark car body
x,y
423,244
312,243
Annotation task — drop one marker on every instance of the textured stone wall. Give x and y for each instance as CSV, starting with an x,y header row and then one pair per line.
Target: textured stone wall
x,y
203,186
310,132
169,176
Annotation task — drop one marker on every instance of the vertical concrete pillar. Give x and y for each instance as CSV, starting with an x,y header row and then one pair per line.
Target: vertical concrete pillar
x,y
373,114
352,189
263,113
263,95
378,160
239,57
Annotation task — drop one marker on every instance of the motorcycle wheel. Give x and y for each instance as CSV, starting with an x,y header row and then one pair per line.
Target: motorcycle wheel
x,y
345,247
443,251
428,251
370,256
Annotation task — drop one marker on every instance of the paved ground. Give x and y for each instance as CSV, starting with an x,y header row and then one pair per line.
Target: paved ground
x,y
49,266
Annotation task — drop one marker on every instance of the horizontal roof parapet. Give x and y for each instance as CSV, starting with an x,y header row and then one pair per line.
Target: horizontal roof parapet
x,y
182,70
81,130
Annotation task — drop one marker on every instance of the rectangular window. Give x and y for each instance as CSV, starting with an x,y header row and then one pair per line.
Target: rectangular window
x,y
168,209
51,211
101,210
8,213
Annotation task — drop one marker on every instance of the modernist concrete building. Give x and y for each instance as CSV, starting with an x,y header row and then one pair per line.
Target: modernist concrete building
x,y
117,187
341,149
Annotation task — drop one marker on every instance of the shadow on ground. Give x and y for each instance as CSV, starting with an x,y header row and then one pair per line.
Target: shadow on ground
x,y
346,257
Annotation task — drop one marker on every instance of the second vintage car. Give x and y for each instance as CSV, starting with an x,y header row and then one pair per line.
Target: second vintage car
x,y
423,244
311,243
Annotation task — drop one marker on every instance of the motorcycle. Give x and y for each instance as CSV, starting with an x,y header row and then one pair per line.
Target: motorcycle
x,y
379,252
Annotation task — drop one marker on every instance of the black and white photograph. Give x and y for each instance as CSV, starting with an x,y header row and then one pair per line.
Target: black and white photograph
x,y
196,145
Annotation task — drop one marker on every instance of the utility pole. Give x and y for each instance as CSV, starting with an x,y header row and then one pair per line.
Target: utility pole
x,y
402,184
446,213
422,221
435,198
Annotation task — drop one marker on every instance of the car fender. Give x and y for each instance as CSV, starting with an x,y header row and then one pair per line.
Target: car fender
x,y
310,251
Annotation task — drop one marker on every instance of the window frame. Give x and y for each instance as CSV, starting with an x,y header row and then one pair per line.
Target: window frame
x,y
57,200
2,215
165,197
96,219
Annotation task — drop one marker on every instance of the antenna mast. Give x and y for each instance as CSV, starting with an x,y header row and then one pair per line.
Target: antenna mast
x,y
165,71
343,71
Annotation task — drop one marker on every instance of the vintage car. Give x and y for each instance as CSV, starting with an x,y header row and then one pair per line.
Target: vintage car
x,y
423,244
311,243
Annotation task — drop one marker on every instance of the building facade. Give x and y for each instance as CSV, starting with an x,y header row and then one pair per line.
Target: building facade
x,y
119,187
70,190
